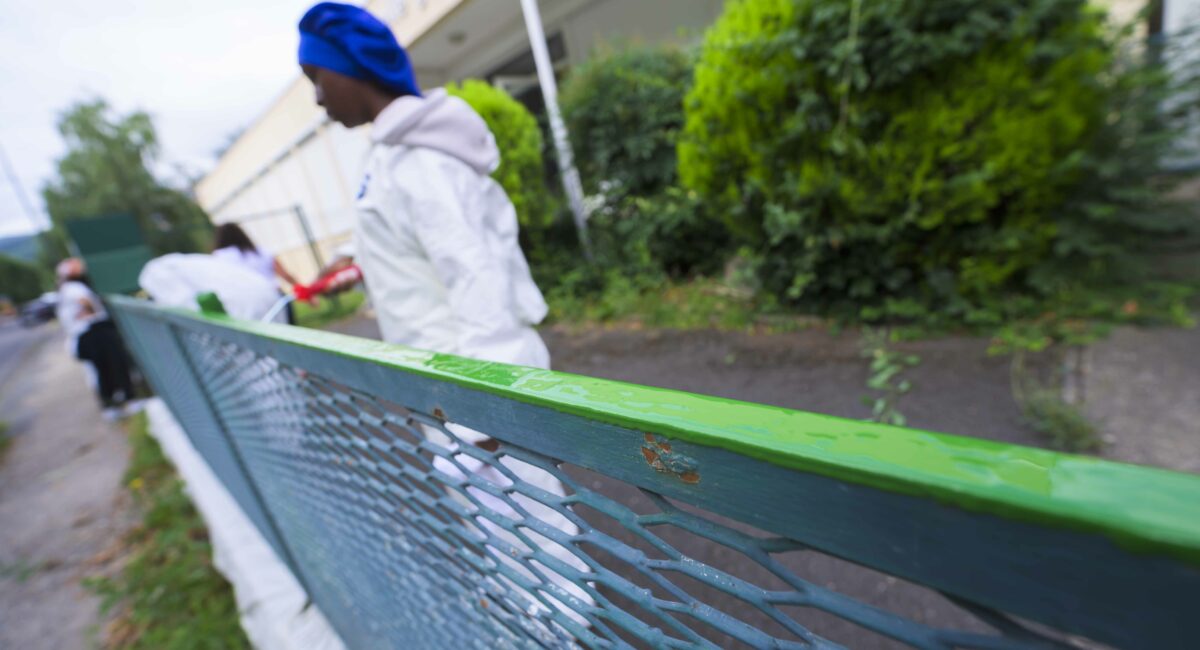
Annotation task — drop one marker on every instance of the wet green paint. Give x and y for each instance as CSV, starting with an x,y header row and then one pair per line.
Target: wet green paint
x,y
1143,509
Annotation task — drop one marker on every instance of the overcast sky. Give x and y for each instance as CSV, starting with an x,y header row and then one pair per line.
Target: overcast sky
x,y
201,69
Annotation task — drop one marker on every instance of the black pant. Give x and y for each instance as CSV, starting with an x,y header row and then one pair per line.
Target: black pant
x,y
101,345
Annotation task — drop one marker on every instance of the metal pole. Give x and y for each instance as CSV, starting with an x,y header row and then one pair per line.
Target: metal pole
x,y
558,130
312,247
308,237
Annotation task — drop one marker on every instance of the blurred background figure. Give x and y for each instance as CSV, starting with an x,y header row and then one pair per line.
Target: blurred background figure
x,y
92,337
231,243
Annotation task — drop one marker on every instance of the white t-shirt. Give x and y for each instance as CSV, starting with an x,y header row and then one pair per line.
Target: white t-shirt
x,y
71,314
260,263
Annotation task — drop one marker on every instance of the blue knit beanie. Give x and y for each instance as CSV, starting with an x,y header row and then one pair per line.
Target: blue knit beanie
x,y
349,40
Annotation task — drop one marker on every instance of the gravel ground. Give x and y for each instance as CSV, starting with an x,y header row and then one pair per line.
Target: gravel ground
x,y
1142,388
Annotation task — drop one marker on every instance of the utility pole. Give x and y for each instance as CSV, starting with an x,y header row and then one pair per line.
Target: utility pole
x,y
558,129
19,190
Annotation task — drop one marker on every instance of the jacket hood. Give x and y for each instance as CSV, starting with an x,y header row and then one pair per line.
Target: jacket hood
x,y
441,122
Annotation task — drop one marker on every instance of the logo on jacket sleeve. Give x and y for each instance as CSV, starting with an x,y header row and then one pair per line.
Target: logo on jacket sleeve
x,y
362,189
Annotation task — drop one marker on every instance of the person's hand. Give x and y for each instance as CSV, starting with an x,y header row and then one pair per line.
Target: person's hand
x,y
339,283
337,264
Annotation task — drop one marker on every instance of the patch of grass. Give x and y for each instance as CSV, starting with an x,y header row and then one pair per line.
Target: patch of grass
x,y
1044,408
636,302
5,441
328,311
1061,423
22,569
168,595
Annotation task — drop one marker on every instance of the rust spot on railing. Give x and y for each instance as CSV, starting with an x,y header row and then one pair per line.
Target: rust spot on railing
x,y
659,455
651,457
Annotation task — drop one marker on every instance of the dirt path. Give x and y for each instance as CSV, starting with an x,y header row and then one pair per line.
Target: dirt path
x,y
1141,386
61,505
1142,389
957,388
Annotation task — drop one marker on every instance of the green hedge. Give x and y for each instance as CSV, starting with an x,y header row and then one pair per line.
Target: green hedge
x,y
21,280
624,110
900,158
668,233
521,172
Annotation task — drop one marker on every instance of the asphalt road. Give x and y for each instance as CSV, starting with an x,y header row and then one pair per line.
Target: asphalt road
x,y
62,506
17,342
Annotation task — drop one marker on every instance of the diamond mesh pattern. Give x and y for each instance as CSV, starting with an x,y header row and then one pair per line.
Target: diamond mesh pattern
x,y
160,358
408,535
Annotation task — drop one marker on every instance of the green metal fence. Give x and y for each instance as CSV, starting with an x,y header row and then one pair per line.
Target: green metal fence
x,y
611,515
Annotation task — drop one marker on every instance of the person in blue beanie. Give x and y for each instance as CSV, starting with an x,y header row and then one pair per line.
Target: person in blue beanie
x,y
354,61
436,236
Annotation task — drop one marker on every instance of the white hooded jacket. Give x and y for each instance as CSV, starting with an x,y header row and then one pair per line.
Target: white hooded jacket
x,y
437,244
437,237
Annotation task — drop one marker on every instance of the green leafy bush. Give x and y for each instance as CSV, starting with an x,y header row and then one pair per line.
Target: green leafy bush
x,y
20,280
961,160
669,233
1124,211
108,168
521,172
624,109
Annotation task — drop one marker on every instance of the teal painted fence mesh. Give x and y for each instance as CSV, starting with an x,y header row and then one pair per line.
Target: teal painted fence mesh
x,y
366,482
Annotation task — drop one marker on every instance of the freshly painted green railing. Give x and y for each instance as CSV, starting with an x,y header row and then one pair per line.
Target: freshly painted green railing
x,y
670,520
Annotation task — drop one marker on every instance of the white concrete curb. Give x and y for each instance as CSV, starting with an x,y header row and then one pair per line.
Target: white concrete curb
x,y
269,598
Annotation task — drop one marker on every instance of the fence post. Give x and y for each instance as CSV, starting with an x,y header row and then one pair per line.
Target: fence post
x,y
219,425
313,250
302,219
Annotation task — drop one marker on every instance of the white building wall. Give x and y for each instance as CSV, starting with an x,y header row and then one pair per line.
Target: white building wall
x,y
600,25
1177,14
1180,14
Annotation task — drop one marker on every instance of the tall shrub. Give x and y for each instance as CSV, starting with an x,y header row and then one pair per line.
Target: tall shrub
x,y
20,280
624,109
109,168
519,139
896,158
